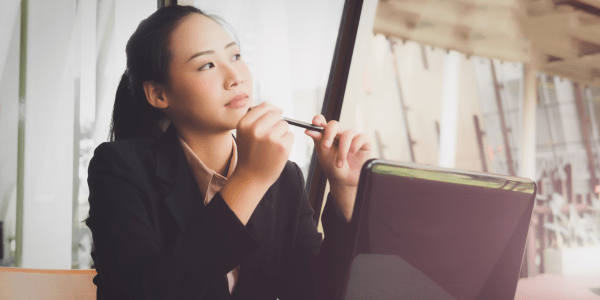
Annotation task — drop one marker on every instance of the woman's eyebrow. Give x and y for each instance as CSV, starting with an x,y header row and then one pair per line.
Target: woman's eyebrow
x,y
210,51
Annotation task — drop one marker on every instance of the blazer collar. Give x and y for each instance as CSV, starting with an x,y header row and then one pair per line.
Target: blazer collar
x,y
168,156
183,201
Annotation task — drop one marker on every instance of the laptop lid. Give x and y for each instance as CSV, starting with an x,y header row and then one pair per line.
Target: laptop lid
x,y
425,232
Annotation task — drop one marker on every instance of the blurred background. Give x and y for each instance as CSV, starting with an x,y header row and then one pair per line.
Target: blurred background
x,y
500,86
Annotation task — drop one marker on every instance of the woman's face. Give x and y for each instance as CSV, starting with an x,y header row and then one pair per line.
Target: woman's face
x,y
206,73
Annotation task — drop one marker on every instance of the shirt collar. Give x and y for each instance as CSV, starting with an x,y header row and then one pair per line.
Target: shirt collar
x,y
203,173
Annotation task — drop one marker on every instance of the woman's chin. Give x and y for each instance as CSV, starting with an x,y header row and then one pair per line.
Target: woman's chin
x,y
232,125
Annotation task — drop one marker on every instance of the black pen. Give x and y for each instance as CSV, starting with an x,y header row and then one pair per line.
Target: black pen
x,y
303,125
300,124
308,126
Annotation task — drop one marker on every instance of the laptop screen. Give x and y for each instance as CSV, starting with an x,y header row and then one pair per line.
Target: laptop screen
x,y
432,233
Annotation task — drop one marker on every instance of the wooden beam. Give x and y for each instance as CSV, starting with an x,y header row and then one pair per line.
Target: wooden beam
x,y
590,33
479,4
594,3
450,14
558,46
588,6
445,26
578,69
491,47
550,25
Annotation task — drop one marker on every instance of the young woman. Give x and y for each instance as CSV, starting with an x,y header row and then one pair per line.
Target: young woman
x,y
192,212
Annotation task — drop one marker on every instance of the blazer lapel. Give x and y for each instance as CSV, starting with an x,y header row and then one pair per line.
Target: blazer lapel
x,y
184,200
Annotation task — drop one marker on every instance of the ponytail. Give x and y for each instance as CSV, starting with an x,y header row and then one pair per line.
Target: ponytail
x,y
133,117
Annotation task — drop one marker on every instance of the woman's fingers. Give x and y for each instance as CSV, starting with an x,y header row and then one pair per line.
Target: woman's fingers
x,y
319,120
261,120
344,146
265,142
360,142
264,124
329,134
256,112
315,135
279,129
332,135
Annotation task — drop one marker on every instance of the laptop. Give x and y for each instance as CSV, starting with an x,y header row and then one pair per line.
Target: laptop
x,y
424,232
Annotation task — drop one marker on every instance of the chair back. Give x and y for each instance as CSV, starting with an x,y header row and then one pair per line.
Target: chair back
x,y
19,283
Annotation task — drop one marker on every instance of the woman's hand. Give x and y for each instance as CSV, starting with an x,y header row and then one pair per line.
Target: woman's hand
x,y
264,145
264,142
341,162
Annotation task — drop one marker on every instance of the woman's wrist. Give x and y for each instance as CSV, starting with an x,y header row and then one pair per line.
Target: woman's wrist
x,y
242,192
344,198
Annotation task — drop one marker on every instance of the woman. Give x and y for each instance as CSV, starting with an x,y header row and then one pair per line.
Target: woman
x,y
192,212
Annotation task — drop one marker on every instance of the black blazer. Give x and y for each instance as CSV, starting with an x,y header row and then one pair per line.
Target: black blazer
x,y
154,238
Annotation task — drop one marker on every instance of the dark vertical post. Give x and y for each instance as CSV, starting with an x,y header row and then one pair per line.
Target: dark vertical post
x,y
21,133
1,240
569,183
509,159
163,3
334,94
479,133
584,122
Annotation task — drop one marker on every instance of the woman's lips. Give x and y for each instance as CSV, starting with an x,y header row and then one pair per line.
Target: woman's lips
x,y
238,101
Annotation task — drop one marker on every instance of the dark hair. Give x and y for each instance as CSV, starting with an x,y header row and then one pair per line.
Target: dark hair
x,y
148,58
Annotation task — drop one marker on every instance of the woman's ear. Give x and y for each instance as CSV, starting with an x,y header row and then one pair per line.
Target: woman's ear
x,y
155,93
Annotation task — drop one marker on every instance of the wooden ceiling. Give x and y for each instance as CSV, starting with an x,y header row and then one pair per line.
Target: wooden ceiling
x,y
561,36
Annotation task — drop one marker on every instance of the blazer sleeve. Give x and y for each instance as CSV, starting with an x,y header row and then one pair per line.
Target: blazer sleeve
x,y
317,269
131,261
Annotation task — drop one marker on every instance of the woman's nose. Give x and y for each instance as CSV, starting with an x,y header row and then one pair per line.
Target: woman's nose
x,y
234,78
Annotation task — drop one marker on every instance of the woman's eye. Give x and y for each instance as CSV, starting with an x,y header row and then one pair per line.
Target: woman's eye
x,y
207,66
237,57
